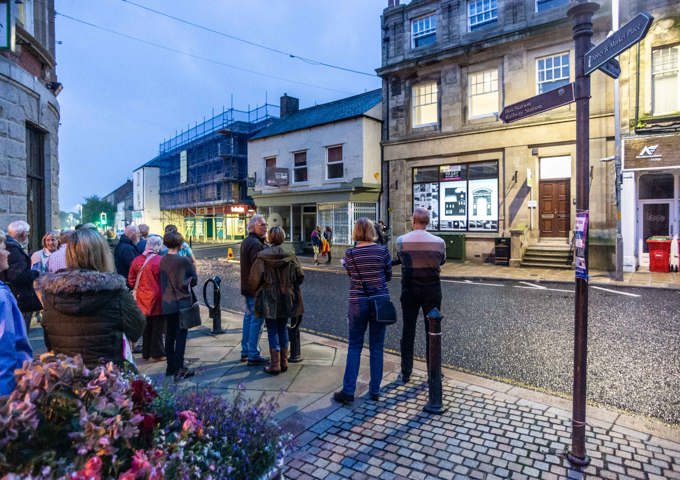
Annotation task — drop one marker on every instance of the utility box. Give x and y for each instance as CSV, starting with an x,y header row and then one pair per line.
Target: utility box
x,y
455,245
502,250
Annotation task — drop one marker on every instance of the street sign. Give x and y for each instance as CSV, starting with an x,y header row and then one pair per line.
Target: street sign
x,y
538,104
624,38
611,68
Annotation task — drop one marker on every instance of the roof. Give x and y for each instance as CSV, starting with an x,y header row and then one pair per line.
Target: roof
x,y
325,113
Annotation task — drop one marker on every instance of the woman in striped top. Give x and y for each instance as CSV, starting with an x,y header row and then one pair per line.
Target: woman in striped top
x,y
369,267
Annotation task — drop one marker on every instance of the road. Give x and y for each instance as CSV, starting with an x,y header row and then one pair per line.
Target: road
x,y
523,333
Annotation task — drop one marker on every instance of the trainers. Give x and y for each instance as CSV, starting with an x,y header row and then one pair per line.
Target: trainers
x,y
244,358
342,397
257,361
404,378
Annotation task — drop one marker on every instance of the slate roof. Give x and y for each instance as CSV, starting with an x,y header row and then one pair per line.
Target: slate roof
x,y
325,113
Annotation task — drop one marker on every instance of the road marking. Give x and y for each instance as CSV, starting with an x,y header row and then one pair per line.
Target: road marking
x,y
543,289
533,285
616,291
470,282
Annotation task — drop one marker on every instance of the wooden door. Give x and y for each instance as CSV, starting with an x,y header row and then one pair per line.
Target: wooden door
x,y
554,206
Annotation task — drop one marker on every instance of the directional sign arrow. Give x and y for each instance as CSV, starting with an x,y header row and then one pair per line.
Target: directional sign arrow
x,y
624,38
611,68
538,104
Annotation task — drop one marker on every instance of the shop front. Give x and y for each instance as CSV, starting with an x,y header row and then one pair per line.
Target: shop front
x,y
217,224
650,214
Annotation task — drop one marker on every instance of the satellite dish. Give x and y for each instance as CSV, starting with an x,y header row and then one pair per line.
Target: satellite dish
x,y
275,220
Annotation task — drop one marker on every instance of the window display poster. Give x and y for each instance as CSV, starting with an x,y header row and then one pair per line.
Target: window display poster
x,y
483,204
453,205
426,195
580,233
452,172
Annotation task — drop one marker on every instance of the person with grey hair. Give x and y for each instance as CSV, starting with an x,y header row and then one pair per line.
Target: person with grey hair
x,y
252,324
145,279
19,276
143,235
126,250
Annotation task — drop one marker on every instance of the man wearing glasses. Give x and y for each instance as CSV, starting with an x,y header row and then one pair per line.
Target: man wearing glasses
x,y
252,326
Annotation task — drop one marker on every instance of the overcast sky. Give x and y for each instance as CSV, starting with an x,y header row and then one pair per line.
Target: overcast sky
x,y
122,96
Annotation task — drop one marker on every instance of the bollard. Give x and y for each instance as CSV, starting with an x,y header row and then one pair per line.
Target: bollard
x,y
216,309
230,254
294,340
434,362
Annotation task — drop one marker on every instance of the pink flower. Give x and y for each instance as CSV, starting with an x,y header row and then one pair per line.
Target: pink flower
x,y
190,423
140,462
93,467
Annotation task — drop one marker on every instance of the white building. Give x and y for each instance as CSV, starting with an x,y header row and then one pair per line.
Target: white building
x,y
146,197
319,166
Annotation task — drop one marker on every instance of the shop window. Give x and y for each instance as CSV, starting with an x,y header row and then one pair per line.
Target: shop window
x,y
334,164
481,13
483,98
665,80
656,186
425,104
300,166
552,72
423,31
461,197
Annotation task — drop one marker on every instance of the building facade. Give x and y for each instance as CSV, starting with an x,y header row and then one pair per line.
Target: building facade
x,y
319,166
201,177
449,68
122,200
29,117
650,132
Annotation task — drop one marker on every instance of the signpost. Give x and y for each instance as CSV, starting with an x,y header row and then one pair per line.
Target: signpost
x,y
588,59
620,41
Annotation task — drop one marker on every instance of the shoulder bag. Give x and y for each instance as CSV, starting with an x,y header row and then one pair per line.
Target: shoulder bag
x,y
190,317
139,275
381,307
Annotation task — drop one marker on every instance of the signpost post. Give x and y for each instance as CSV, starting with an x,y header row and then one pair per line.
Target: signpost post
x,y
588,58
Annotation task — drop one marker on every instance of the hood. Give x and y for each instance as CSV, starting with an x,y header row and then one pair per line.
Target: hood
x,y
276,256
74,291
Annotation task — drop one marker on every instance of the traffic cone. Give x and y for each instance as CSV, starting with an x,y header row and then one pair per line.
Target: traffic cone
x,y
230,254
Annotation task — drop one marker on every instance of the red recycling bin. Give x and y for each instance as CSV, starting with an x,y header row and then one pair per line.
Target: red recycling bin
x,y
659,254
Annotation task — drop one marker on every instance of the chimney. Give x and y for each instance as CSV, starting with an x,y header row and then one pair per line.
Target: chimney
x,y
288,105
392,3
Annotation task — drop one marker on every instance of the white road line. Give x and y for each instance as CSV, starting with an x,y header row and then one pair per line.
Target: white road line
x,y
470,282
544,289
616,291
533,285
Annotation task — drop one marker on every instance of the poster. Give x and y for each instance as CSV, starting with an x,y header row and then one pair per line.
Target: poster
x,y
581,244
426,195
453,206
483,204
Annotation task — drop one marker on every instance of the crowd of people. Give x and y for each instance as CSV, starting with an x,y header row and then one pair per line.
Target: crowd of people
x,y
97,303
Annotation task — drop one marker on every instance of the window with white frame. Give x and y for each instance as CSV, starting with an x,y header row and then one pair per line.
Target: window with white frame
x,y
481,13
425,103
334,163
665,80
543,5
300,166
552,72
423,31
483,97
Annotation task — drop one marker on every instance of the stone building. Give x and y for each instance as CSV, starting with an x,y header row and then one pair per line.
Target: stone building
x,y
319,166
449,68
29,116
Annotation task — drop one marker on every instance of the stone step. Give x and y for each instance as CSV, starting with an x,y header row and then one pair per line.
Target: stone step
x,y
550,247
562,266
547,253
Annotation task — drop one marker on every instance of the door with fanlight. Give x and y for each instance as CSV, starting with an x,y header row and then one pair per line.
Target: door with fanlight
x,y
554,192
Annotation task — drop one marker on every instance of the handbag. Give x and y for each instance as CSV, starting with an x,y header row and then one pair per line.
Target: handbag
x,y
381,307
190,317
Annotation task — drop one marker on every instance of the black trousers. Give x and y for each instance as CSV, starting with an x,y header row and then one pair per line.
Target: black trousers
x,y
413,300
152,340
175,344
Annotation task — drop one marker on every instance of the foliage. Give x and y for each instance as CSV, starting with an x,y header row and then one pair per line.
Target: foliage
x,y
93,207
66,421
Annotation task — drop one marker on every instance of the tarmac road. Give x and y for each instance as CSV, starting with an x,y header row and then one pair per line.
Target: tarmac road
x,y
522,333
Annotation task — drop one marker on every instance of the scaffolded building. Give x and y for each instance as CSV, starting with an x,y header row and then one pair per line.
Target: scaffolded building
x,y
203,175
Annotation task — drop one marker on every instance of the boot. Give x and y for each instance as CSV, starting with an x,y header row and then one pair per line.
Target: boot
x,y
284,359
274,367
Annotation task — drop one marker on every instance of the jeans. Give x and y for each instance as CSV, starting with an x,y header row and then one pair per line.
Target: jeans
x,y
358,318
175,344
252,327
277,331
412,301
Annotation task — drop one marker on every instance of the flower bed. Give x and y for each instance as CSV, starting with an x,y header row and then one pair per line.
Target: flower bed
x,y
66,421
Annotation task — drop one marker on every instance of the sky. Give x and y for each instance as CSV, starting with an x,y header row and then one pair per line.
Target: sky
x,y
127,87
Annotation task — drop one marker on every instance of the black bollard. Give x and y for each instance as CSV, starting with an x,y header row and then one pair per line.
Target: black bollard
x,y
434,362
294,340
216,309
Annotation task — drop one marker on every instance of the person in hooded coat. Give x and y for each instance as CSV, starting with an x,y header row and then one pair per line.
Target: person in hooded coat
x,y
276,276
87,306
